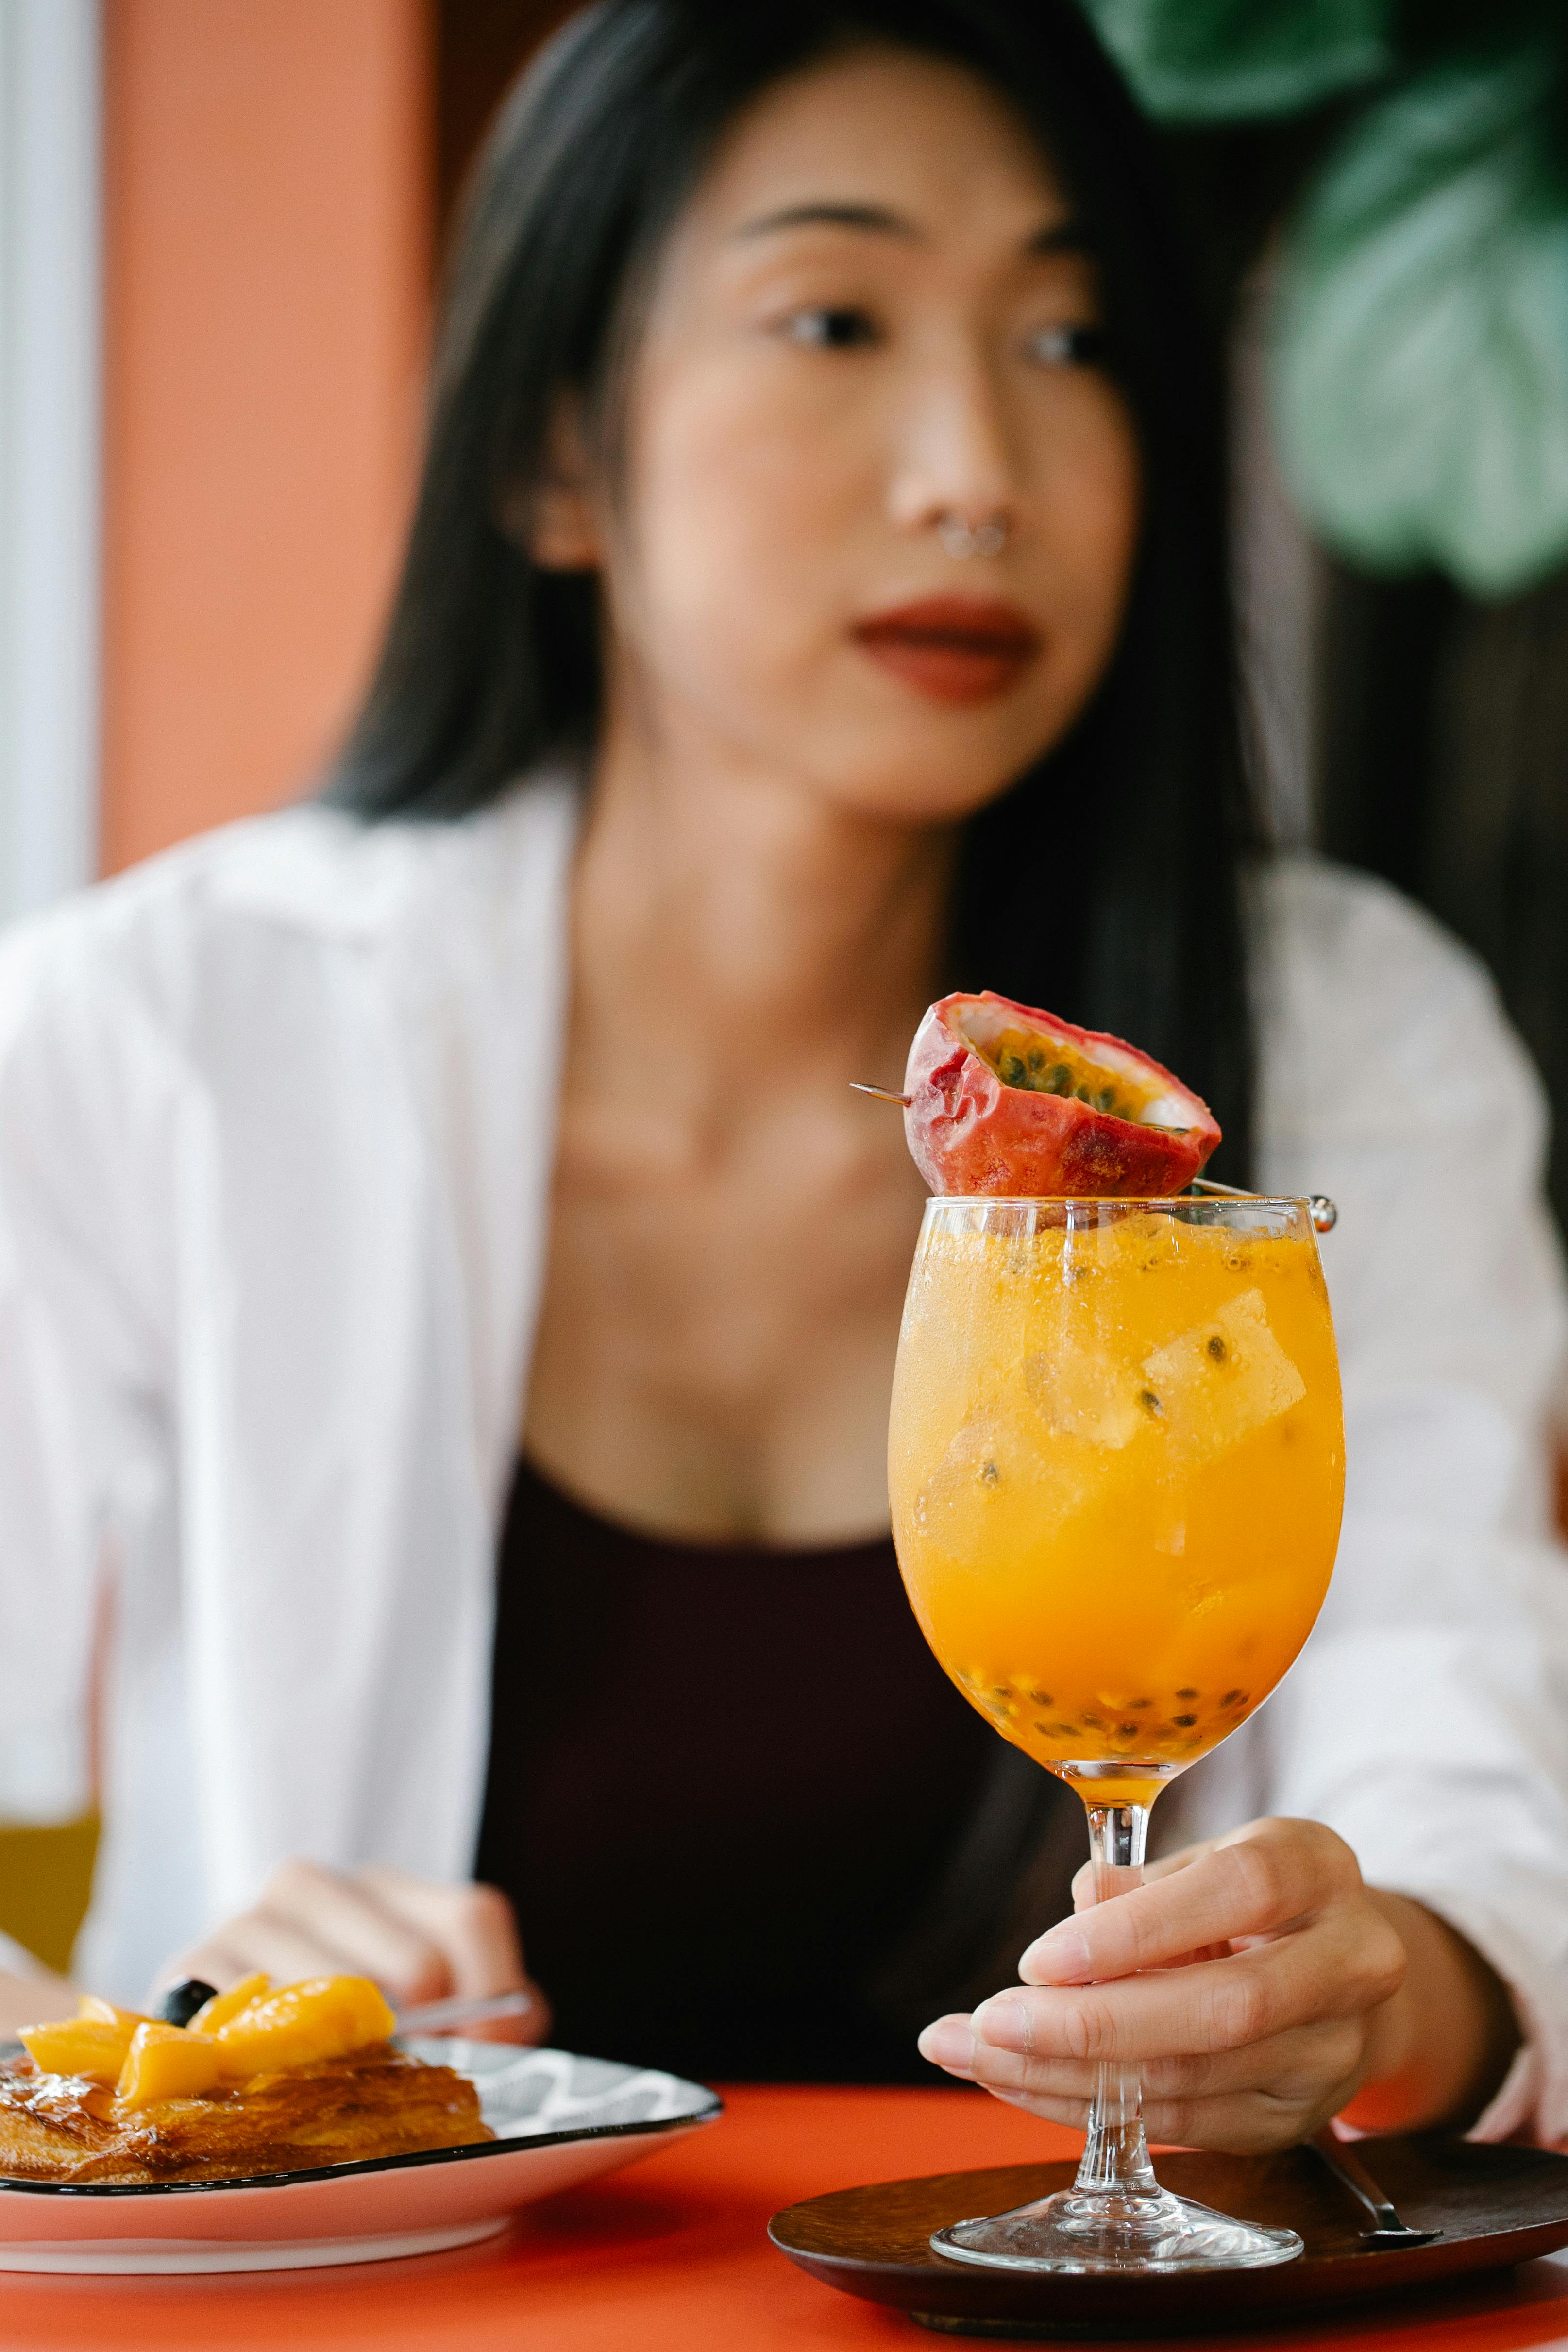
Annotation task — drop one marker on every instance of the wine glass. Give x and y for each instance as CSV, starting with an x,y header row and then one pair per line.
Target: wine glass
x,y
1116,1460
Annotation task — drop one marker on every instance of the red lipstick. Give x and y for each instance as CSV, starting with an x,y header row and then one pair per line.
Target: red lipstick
x,y
952,648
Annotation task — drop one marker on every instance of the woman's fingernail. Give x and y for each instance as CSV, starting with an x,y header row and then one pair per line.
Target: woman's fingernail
x,y
1003,2023
949,2043
1059,1957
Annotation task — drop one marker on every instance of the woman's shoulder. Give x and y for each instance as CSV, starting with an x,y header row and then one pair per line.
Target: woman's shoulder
x,y
1372,1017
247,896
1332,931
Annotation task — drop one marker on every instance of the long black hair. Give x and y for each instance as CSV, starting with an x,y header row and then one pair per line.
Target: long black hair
x,y
1105,882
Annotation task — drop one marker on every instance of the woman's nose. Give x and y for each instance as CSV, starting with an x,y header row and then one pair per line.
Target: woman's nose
x,y
955,473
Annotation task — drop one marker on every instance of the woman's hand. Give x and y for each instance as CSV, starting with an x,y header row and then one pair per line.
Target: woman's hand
x,y
1258,1984
421,1939
34,1999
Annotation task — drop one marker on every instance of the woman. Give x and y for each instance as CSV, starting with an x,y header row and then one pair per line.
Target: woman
x,y
815,599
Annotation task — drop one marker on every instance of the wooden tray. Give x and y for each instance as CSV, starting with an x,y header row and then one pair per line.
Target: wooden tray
x,y
1495,2206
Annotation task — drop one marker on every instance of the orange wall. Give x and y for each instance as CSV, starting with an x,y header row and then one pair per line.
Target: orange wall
x,y
267,260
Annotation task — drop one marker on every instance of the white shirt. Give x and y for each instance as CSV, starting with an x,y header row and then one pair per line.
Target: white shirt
x,y
276,1137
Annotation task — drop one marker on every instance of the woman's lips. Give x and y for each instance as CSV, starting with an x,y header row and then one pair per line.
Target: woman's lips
x,y
952,648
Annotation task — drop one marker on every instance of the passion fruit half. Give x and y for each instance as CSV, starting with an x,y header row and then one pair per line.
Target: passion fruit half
x,y
1003,1098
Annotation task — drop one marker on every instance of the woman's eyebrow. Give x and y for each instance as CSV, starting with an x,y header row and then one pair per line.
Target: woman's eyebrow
x,y
1067,235
875,218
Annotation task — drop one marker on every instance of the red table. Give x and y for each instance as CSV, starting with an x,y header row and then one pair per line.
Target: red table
x,y
671,2256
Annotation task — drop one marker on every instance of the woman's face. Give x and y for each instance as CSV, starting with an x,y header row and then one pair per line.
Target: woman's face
x,y
878,509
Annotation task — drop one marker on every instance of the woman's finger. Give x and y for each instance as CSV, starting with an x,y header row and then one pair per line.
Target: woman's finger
x,y
345,1914
255,1943
472,1927
312,1921
1296,2066
1256,1884
1264,2098
1344,1964
1251,2124
476,1929
421,1939
1083,1895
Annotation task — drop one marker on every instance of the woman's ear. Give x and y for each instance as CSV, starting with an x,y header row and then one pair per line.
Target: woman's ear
x,y
555,518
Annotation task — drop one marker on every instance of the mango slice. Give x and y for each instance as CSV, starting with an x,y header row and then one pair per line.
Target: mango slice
x,y
225,2005
90,2046
92,2004
301,2025
166,2062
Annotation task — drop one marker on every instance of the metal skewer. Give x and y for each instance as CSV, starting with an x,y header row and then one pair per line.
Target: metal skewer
x,y
1320,1208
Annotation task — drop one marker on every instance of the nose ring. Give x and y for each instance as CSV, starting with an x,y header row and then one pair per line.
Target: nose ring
x,y
962,539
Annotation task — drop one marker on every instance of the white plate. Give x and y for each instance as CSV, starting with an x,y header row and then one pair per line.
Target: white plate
x,y
559,2120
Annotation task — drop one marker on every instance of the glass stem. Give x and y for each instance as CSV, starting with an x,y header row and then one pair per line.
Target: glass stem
x,y
1116,2156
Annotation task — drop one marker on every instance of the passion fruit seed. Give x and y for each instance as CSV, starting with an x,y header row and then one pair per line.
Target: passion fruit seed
x,y
1216,1348
1029,1071
1183,1722
1149,1401
1190,1693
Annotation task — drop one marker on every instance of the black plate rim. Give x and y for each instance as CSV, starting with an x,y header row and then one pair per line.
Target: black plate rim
x,y
708,2112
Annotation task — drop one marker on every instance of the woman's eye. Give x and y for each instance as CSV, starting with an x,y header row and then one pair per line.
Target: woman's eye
x,y
826,326
1067,346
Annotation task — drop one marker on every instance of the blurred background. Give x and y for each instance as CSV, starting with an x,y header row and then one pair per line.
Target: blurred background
x,y
221,224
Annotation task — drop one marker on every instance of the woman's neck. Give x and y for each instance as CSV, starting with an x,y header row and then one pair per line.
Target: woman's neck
x,y
758,931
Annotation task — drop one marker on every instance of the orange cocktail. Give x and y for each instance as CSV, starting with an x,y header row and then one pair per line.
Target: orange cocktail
x,y
1117,1468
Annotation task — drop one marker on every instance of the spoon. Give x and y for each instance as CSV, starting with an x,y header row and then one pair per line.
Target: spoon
x,y
1350,2173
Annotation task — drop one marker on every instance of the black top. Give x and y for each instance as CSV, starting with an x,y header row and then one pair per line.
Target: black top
x,y
722,1779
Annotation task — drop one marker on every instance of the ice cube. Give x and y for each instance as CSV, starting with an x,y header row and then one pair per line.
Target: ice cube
x,y
990,1472
1080,1394
1224,1379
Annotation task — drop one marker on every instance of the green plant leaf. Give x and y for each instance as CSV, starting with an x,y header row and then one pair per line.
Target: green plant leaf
x,y
1421,361
1228,60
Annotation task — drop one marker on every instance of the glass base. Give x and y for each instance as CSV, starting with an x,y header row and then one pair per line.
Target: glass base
x,y
1106,2232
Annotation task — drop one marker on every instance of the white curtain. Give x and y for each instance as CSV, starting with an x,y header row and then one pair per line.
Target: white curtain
x,y
50,307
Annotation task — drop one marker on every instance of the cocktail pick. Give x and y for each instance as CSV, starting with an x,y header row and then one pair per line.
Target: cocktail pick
x,y
1322,1210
